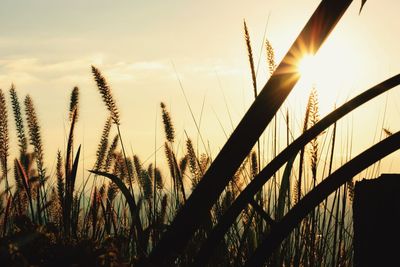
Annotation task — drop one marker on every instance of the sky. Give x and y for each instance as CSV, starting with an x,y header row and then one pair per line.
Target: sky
x,y
146,48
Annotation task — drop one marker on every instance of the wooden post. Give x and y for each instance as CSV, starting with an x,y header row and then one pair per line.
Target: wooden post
x,y
376,212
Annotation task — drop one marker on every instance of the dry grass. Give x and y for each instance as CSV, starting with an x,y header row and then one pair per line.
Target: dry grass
x,y
46,220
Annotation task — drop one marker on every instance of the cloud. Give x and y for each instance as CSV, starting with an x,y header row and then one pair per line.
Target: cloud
x,y
33,70
130,71
150,65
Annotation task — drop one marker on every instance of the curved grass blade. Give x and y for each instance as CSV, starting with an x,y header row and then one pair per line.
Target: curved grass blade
x,y
362,5
285,187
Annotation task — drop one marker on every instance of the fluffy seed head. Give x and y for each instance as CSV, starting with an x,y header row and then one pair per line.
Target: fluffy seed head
x,y
270,57
19,123
168,126
4,145
74,103
106,94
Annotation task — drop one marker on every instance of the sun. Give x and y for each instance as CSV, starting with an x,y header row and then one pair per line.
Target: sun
x,y
316,72
307,68
333,71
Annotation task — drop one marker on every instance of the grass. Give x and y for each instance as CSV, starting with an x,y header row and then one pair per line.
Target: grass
x,y
235,210
246,134
122,221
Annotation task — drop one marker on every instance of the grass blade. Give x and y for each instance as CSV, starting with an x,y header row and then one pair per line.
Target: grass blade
x,y
285,187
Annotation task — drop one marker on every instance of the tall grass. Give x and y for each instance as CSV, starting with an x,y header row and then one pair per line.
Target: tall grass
x,y
236,226
191,217
289,212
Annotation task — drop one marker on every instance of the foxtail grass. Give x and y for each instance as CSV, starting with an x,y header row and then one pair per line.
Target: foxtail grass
x,y
74,103
270,57
106,94
250,55
4,140
36,142
167,122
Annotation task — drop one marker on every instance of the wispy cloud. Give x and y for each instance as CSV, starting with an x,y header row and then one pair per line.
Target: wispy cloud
x,y
34,70
130,71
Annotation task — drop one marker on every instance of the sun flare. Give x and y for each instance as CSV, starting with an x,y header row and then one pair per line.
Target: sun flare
x,y
307,67
331,71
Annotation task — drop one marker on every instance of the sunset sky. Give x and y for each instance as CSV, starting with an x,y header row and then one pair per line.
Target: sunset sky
x,y
48,46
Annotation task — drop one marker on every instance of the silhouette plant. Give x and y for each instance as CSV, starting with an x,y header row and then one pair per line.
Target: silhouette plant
x,y
238,146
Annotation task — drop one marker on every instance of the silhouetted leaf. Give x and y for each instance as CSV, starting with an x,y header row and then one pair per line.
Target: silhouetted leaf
x,y
121,186
362,5
285,187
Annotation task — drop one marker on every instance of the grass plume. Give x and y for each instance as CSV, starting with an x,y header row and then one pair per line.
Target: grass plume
x,y
250,55
60,179
106,94
102,147
4,138
74,103
19,123
167,122
270,57
35,136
